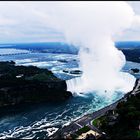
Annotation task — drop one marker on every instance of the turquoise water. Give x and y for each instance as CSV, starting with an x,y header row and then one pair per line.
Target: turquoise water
x,y
41,120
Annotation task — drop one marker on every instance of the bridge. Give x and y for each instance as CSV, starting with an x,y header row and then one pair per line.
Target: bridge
x,y
7,54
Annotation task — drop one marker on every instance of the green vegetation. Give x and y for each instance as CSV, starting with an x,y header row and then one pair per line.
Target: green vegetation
x,y
9,73
99,121
79,132
83,130
124,122
96,122
43,77
20,84
138,134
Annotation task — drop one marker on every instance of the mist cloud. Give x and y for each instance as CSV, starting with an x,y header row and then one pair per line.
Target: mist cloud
x,y
91,26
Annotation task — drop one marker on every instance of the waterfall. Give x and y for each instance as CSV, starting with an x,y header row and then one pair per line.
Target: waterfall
x,y
73,85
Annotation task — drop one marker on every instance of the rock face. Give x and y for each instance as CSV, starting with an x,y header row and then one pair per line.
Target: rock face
x,y
35,85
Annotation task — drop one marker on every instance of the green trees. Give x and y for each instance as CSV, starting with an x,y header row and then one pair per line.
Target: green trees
x,y
20,84
127,121
129,112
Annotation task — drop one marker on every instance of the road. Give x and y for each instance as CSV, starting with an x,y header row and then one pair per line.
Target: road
x,y
86,119
136,88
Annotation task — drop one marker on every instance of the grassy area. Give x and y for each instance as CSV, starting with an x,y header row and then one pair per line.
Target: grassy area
x,y
98,122
138,134
31,74
79,132
83,130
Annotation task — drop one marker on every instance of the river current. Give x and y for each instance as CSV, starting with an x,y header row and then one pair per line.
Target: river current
x,y
42,120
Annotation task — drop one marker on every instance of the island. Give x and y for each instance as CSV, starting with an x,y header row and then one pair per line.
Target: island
x,y
22,84
135,70
74,72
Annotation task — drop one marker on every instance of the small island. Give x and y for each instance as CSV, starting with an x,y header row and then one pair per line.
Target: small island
x,y
135,70
20,84
74,72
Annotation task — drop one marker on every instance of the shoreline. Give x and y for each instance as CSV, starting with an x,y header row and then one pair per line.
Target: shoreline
x,y
86,119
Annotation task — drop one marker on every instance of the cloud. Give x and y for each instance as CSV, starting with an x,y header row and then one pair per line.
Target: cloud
x,y
22,21
6,21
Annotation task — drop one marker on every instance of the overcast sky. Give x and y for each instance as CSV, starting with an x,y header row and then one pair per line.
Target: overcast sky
x,y
26,22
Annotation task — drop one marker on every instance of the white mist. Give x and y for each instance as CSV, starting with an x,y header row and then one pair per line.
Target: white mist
x,y
91,26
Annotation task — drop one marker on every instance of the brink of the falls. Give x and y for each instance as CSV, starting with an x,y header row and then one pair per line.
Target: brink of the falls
x,y
76,85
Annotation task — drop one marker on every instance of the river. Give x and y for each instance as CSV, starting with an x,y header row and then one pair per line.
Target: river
x,y
41,120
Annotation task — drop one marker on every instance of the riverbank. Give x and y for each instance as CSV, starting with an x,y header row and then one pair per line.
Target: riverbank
x,y
87,119
123,122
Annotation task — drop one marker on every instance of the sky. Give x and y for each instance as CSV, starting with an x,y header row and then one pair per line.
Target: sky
x,y
27,22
